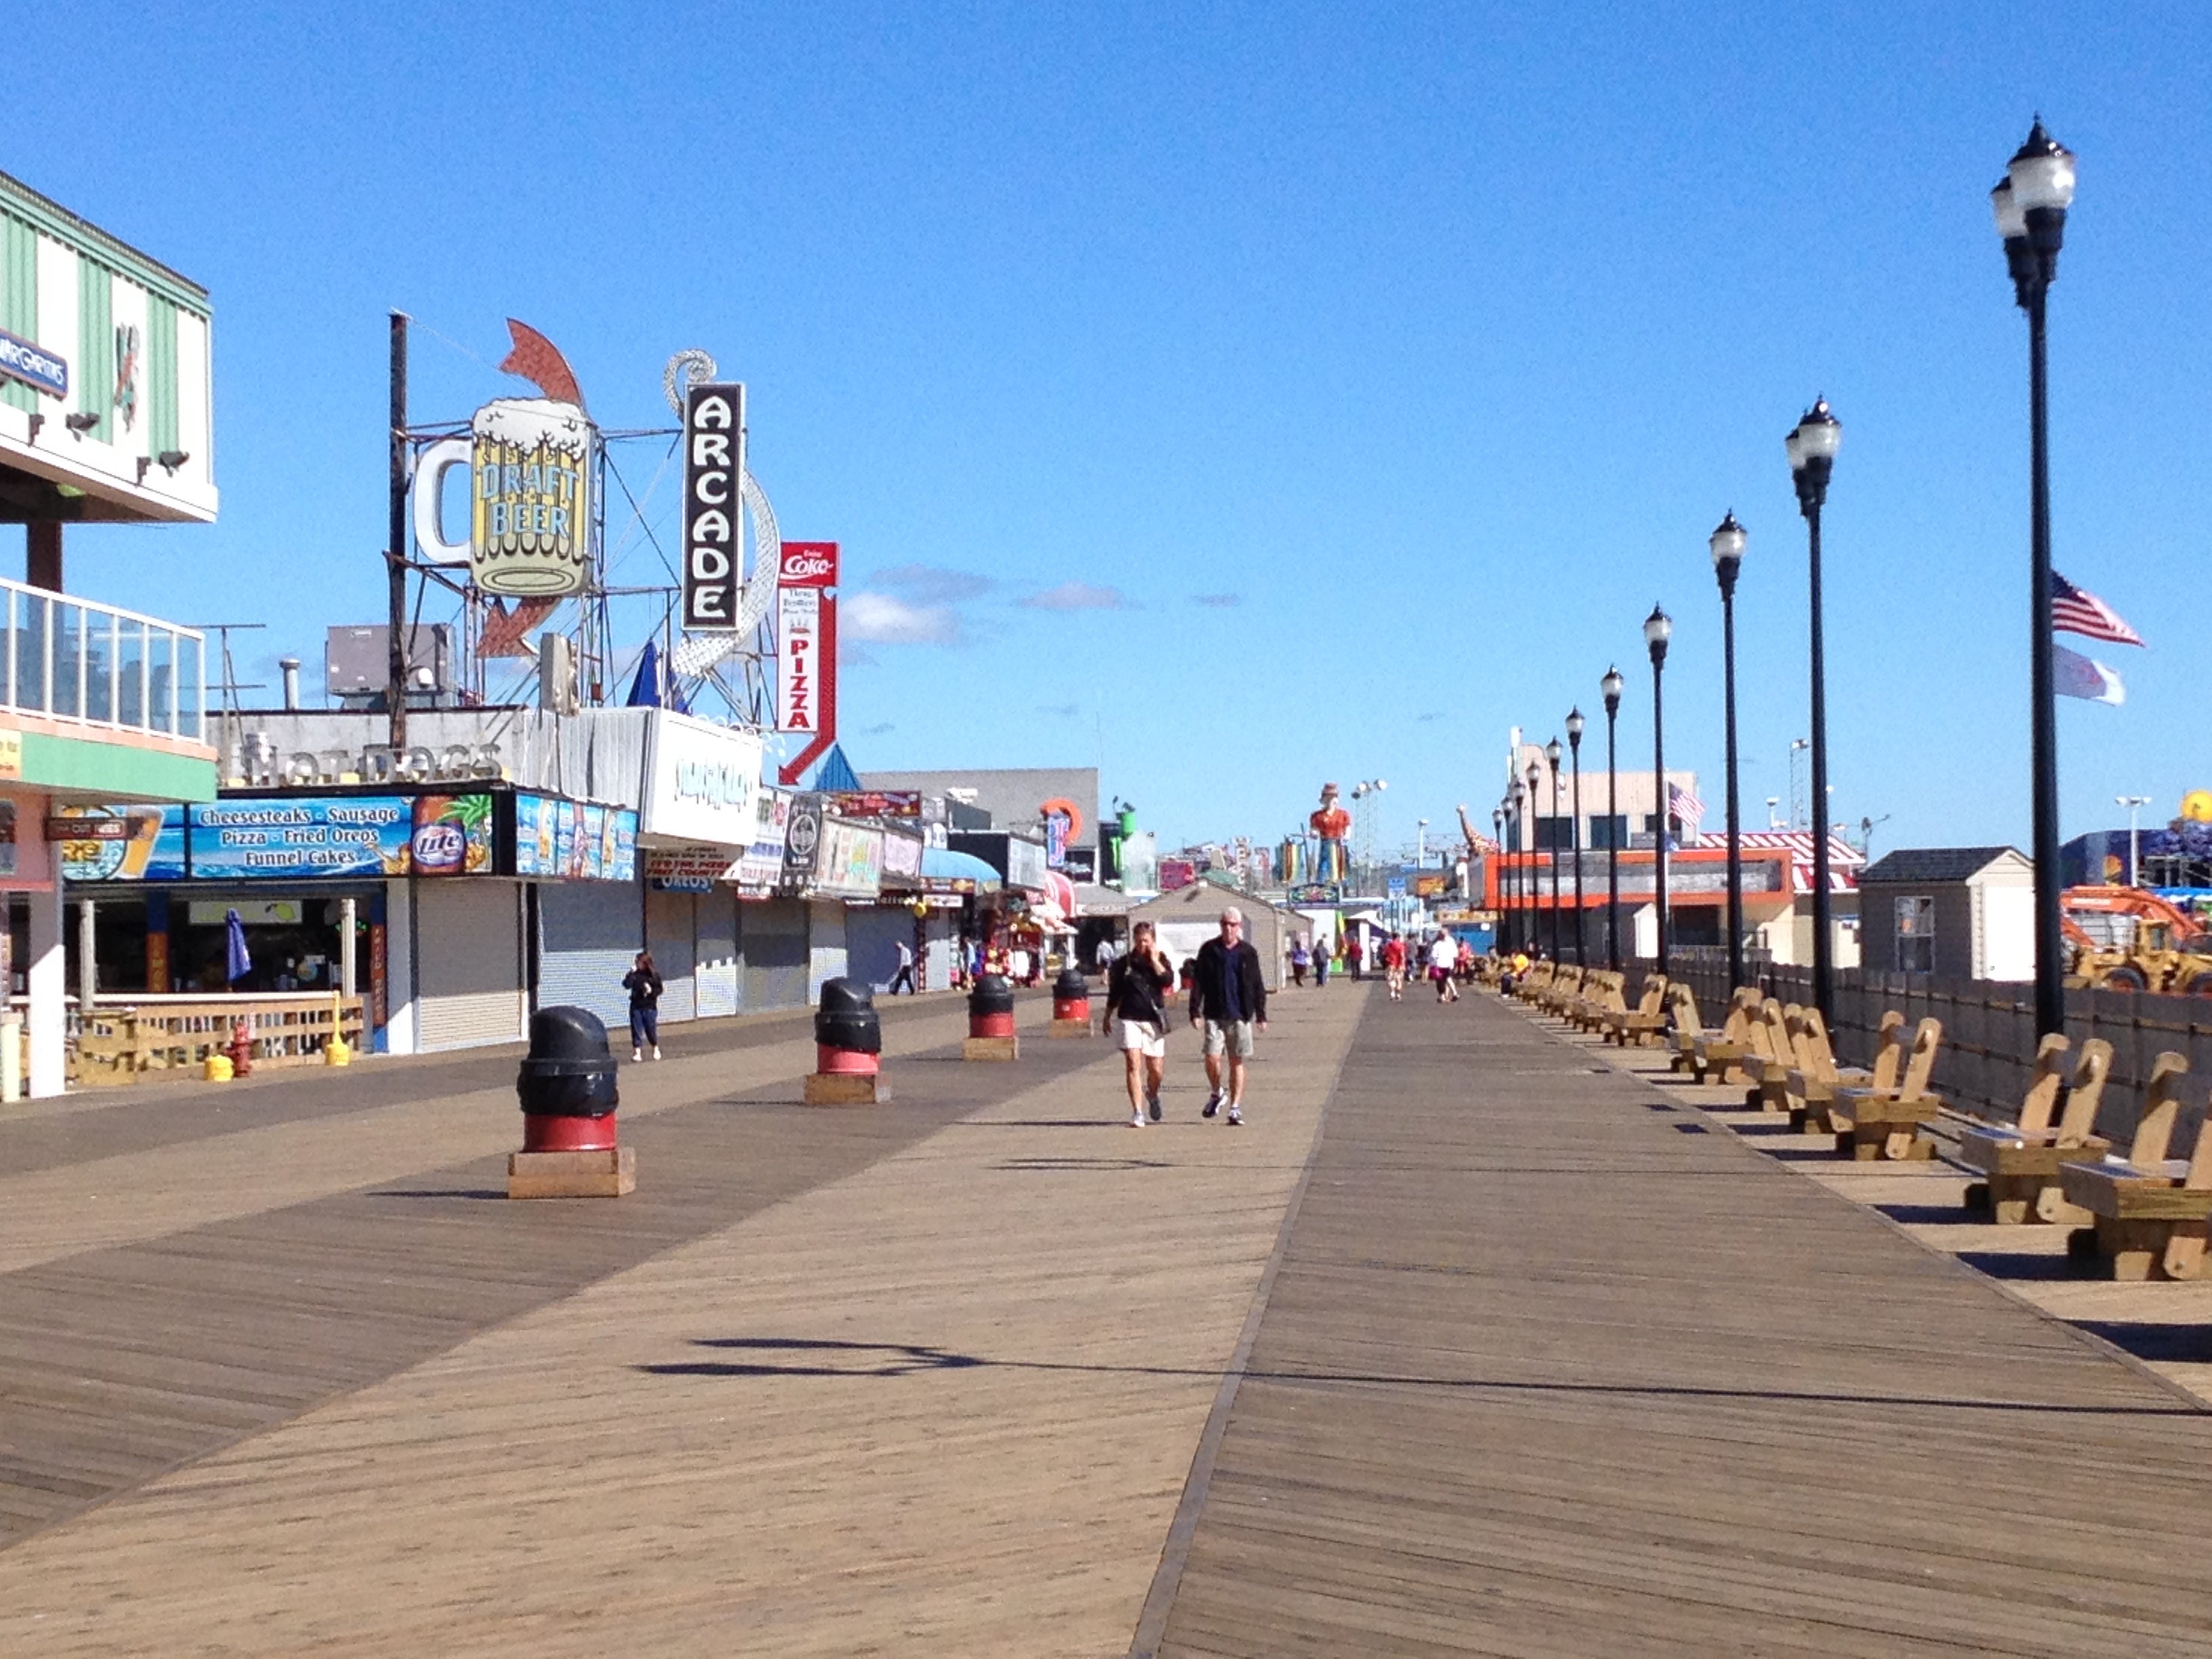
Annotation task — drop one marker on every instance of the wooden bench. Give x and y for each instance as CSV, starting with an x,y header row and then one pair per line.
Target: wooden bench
x,y
1727,1055
1768,1070
1812,1084
1531,985
1600,996
1560,996
2022,1160
1634,1027
2148,1212
1871,1124
1689,1032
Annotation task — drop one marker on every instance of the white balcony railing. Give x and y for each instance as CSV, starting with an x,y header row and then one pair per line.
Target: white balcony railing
x,y
73,659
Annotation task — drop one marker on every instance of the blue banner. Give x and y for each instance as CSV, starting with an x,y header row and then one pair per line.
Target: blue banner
x,y
574,840
34,365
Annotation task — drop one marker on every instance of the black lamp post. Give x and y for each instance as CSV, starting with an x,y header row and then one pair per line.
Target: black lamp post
x,y
1726,543
1551,754
1658,628
1812,447
1498,828
1575,823
1536,881
1611,685
2030,203
1520,818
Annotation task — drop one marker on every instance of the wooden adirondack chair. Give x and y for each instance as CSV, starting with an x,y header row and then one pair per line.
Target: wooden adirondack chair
x,y
1646,1020
1871,1125
1727,1054
1590,1001
1812,1085
2022,1160
2148,1211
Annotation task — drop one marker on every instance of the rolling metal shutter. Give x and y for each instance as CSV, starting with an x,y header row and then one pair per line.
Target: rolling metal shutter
x,y
872,940
772,938
671,935
716,969
587,933
468,952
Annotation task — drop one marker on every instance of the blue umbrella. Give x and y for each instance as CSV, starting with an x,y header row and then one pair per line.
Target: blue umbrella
x,y
241,962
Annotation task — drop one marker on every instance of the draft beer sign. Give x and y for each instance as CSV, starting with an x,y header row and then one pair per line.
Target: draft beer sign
x,y
713,506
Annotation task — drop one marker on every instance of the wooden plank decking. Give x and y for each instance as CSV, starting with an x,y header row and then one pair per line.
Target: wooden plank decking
x,y
1545,1360
1550,1366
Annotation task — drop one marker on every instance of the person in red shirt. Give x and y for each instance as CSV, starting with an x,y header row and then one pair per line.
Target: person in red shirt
x,y
1394,966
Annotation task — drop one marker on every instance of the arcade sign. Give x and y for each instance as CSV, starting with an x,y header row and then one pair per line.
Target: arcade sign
x,y
713,506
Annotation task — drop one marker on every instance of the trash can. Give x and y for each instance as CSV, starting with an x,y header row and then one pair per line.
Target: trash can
x,y
567,1083
991,1007
1071,995
848,1033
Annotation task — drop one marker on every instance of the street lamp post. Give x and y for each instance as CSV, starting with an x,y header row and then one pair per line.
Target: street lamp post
x,y
1726,543
2030,203
2134,804
1421,844
1497,829
1611,685
1812,447
1575,823
1658,628
1535,882
1551,754
1520,815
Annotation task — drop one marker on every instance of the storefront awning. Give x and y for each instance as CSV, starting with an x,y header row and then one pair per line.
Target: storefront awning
x,y
942,864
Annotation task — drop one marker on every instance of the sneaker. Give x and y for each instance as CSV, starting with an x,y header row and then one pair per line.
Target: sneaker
x,y
637,1054
1236,1115
1213,1105
1137,1120
656,1051
1152,1105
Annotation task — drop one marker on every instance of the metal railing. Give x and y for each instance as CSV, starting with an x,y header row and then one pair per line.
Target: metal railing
x,y
76,660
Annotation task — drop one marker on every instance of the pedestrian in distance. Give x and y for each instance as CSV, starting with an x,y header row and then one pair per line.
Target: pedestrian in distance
x,y
1300,959
1394,966
1228,1002
1324,952
644,985
1443,957
1352,955
905,974
1137,986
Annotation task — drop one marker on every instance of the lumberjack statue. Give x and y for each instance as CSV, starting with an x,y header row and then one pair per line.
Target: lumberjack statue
x,y
1329,822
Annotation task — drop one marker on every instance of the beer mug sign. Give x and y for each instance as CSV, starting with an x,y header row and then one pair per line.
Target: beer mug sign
x,y
529,466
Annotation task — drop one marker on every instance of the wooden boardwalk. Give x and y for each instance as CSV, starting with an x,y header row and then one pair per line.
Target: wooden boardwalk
x,y
1472,1342
1552,1366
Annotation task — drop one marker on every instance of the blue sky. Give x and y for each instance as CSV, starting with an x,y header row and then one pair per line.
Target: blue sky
x,y
1241,396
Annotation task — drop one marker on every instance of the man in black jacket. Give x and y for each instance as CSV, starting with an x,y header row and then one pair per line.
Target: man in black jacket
x,y
1229,999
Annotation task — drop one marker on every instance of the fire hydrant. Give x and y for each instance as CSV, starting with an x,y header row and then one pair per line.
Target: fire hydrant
x,y
241,1049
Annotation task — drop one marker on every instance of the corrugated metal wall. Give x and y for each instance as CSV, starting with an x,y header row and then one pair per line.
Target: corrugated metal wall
x,y
772,948
468,948
587,933
671,935
715,970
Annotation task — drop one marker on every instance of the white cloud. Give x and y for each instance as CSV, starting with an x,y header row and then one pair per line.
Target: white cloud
x,y
885,619
1078,596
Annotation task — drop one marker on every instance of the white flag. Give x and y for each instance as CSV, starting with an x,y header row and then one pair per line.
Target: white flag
x,y
2077,676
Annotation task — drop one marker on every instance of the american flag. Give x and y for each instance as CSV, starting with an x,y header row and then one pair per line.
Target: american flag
x,y
2076,610
1687,810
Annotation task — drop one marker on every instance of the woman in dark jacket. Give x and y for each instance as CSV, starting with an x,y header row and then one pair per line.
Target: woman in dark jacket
x,y
643,984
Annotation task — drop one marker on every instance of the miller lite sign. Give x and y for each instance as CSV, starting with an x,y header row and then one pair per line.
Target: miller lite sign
x,y
713,506
806,648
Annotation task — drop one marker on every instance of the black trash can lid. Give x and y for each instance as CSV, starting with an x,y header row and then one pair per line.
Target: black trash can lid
x,y
566,1033
847,996
1071,984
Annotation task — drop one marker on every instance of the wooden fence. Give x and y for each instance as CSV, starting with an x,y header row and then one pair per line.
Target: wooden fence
x,y
1989,1030
120,1043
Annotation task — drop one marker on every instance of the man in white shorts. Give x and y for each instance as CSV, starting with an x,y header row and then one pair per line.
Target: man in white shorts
x,y
1136,1000
1229,1000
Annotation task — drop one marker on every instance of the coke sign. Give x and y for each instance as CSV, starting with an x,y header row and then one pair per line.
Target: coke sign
x,y
809,564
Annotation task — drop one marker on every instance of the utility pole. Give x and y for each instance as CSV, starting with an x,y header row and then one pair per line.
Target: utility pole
x,y
395,552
